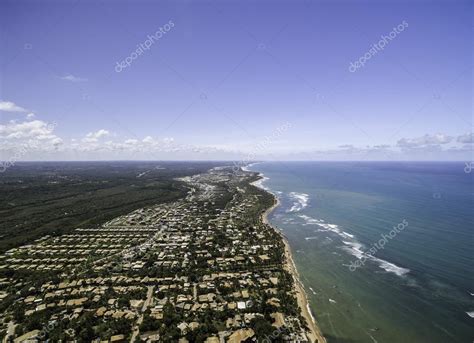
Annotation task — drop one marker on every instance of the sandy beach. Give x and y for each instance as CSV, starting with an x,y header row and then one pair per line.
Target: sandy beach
x,y
314,333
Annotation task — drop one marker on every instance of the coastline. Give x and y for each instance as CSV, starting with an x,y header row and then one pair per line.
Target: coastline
x,y
314,333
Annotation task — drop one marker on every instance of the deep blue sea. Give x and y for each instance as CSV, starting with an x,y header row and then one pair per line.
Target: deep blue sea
x,y
384,249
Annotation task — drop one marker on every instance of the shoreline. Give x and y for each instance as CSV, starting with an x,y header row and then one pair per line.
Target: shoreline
x,y
314,333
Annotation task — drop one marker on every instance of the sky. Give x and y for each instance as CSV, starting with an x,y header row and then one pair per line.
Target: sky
x,y
236,80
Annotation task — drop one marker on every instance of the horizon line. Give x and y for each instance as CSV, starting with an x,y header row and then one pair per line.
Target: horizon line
x,y
232,161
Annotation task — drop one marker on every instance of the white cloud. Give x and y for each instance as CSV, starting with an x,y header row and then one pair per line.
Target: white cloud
x,y
131,142
168,140
72,78
93,137
346,146
9,106
425,140
101,133
148,139
30,115
468,138
136,148
28,139
40,139
35,129
381,146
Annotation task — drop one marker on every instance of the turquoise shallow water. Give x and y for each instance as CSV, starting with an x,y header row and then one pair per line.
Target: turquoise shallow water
x,y
414,285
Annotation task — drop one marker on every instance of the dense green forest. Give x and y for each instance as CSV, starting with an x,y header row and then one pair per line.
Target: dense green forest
x,y
56,197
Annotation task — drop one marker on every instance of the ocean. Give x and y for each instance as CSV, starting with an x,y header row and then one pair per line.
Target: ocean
x,y
384,249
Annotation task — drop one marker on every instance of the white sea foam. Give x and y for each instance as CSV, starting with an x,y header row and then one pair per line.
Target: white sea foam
x,y
324,227
246,167
355,248
259,182
347,234
332,228
372,337
470,314
288,221
308,220
300,201
309,238
392,268
310,313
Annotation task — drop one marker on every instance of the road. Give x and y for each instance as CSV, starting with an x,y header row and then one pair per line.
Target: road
x,y
146,304
10,331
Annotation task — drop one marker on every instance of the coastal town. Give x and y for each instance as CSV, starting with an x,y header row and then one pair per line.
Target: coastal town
x,y
206,268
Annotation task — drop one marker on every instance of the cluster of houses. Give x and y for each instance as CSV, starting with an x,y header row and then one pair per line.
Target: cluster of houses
x,y
192,254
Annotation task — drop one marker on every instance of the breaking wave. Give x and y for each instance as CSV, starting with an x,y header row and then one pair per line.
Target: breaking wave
x,y
352,246
355,248
300,201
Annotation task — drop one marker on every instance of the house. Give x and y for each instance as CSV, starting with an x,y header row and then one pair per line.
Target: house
x,y
193,325
76,302
274,302
183,327
117,338
28,337
240,335
136,304
151,336
278,318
